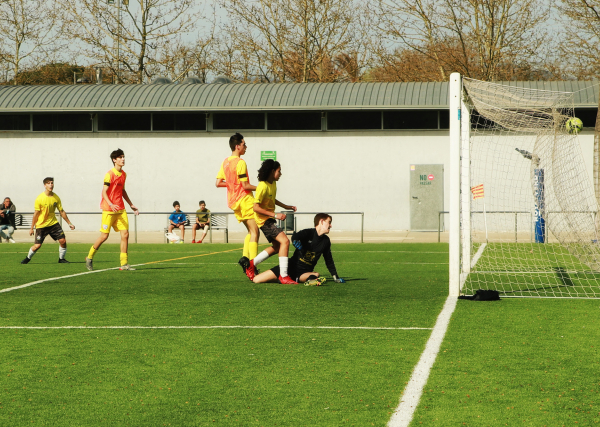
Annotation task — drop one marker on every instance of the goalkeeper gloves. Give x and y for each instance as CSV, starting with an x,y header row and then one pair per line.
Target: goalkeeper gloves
x,y
297,244
338,279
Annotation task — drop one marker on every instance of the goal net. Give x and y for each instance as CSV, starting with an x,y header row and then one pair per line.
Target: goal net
x,y
528,214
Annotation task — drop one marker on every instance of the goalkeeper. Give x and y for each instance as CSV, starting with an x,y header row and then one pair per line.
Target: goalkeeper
x,y
310,244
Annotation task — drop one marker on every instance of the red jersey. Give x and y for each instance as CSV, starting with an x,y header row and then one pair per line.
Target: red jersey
x,y
115,181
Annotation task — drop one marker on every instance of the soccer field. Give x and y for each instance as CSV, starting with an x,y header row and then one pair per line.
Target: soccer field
x,y
188,340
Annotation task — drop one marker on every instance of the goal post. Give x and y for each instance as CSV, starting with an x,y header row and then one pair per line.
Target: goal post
x,y
523,212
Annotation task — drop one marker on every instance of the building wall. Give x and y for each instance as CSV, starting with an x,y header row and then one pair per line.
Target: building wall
x,y
322,171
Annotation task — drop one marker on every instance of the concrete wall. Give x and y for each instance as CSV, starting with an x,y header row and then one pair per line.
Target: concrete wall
x,y
322,171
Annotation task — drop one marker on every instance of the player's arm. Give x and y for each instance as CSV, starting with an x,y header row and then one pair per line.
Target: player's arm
x,y
64,216
126,198
265,212
247,186
284,206
331,265
300,239
36,215
113,207
221,183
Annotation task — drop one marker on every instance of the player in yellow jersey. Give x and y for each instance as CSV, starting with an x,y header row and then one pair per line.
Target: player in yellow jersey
x,y
234,176
265,216
113,210
46,224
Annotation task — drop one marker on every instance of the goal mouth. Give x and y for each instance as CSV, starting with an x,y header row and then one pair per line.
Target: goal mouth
x,y
527,207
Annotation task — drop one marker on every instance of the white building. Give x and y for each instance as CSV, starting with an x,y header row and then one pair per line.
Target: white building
x,y
343,147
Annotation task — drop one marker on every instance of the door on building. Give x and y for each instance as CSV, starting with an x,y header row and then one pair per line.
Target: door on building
x,y
426,197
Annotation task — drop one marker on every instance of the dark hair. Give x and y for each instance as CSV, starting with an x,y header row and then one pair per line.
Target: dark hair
x,y
202,202
175,203
235,140
321,216
47,180
116,154
266,168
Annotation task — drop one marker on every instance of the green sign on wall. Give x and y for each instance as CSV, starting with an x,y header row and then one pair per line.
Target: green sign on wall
x,y
264,155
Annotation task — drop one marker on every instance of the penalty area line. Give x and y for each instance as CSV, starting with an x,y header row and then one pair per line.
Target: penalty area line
x,y
216,327
37,282
409,400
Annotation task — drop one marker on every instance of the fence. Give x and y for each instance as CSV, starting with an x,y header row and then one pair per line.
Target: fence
x,y
156,220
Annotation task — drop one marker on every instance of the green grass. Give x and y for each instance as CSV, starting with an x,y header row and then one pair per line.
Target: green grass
x,y
234,376
532,362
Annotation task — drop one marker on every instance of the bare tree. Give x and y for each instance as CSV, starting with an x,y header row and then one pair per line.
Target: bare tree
x,y
129,34
297,40
478,38
28,29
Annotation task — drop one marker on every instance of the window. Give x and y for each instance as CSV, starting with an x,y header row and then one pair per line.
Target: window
x,y
124,122
587,116
178,121
353,120
294,121
14,122
444,119
238,121
80,122
410,119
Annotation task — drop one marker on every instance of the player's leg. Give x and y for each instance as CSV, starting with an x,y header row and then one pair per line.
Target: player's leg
x,y
40,235
170,229
283,249
57,233
194,228
107,223
268,276
122,226
205,230
182,228
311,279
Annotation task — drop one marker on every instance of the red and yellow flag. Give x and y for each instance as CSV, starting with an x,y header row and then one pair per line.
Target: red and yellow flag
x,y
477,192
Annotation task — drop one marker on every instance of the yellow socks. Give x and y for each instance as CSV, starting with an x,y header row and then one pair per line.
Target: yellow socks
x,y
123,259
246,250
252,249
92,252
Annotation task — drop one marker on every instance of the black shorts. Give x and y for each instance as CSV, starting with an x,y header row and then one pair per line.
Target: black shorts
x,y
55,231
292,273
196,225
270,230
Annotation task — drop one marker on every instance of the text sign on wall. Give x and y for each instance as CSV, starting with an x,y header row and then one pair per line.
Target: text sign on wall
x,y
264,155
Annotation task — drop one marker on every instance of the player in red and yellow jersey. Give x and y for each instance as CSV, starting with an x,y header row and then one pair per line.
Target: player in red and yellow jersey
x,y
113,210
234,176
44,220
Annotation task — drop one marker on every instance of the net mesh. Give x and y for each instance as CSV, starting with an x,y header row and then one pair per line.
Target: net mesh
x,y
534,231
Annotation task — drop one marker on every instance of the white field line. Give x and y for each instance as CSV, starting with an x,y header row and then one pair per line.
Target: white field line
x,y
414,389
478,255
37,282
214,327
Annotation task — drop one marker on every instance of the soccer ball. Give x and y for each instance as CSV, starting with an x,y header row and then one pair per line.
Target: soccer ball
x,y
574,125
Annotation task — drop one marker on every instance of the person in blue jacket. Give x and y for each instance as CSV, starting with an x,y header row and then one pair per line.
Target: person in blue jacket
x,y
177,220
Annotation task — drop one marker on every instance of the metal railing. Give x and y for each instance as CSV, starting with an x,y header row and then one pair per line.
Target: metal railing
x,y
135,219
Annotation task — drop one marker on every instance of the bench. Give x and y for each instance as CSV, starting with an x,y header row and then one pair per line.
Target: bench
x,y
217,222
22,220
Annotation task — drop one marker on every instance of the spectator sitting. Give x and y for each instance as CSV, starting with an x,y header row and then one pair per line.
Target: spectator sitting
x,y
7,220
177,219
202,222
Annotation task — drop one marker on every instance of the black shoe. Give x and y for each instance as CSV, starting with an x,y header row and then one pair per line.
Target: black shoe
x,y
63,261
25,261
244,262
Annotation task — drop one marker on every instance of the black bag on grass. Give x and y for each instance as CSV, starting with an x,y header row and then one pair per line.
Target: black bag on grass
x,y
482,295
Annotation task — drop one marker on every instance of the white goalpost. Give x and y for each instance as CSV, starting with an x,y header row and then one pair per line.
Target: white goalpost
x,y
523,214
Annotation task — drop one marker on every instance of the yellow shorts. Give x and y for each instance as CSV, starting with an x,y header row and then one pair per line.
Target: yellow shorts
x,y
244,209
117,220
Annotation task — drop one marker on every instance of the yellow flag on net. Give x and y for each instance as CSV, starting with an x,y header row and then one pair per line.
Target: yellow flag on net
x,y
477,192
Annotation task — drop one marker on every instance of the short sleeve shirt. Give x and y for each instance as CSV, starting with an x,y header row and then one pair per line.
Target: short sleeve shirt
x,y
202,215
47,205
265,197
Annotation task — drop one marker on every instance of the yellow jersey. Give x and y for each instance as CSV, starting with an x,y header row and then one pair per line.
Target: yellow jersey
x,y
265,197
47,205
